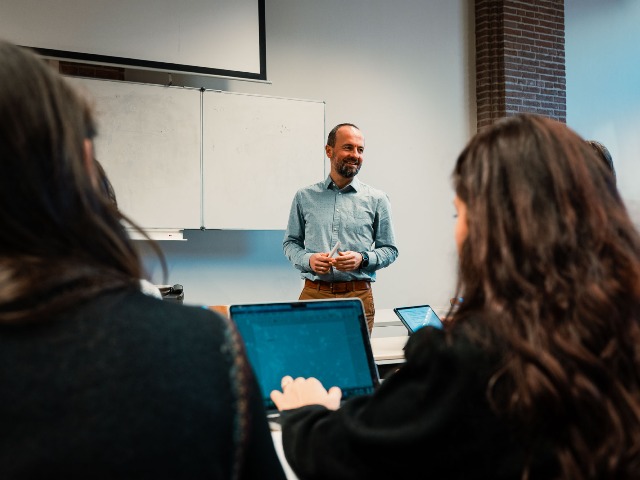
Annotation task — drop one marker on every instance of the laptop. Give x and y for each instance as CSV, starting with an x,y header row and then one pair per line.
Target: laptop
x,y
418,316
326,339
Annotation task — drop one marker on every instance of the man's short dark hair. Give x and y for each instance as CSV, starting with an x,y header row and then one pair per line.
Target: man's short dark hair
x,y
331,139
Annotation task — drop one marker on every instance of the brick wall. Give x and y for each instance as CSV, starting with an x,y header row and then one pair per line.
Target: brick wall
x,y
520,63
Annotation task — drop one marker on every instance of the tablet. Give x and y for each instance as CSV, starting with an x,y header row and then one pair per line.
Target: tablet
x,y
418,316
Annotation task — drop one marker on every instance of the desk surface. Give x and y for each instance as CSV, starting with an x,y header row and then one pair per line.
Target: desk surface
x,y
388,338
388,349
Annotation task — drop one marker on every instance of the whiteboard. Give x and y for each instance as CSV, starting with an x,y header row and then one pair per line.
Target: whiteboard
x,y
257,151
149,145
184,158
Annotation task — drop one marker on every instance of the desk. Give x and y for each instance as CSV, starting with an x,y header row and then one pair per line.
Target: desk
x,y
388,339
388,353
388,350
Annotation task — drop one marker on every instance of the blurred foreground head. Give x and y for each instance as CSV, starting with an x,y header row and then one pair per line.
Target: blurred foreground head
x,y
550,266
544,220
61,239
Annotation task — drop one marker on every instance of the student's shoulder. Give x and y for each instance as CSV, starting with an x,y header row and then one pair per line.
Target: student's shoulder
x,y
466,344
142,309
149,288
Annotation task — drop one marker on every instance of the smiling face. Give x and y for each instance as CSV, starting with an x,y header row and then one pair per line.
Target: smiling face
x,y
347,155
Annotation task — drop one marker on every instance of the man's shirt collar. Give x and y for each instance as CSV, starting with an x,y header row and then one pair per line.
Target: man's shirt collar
x,y
355,184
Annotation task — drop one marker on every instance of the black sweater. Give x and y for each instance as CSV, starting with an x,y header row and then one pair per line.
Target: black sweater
x,y
430,419
128,386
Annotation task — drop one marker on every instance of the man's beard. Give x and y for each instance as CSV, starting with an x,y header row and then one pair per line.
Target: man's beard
x,y
347,170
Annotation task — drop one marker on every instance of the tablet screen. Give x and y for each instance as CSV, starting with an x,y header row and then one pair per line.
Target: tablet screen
x,y
417,317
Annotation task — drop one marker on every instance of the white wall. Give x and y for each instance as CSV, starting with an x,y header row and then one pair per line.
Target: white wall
x,y
603,84
404,72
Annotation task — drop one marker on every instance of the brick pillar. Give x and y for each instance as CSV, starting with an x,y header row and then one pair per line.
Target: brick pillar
x,y
520,63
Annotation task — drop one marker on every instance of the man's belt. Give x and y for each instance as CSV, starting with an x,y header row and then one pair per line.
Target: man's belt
x,y
338,287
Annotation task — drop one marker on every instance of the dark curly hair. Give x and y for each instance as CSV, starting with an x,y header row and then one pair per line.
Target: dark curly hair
x,y
551,261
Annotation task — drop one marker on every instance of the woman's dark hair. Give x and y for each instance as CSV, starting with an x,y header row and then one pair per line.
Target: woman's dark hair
x,y
61,240
105,184
551,264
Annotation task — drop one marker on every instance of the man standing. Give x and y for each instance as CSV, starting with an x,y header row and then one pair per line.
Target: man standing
x,y
341,209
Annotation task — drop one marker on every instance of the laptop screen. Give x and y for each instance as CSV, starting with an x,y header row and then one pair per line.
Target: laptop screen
x,y
326,339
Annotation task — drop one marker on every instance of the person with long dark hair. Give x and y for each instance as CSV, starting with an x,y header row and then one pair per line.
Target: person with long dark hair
x,y
99,380
537,374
